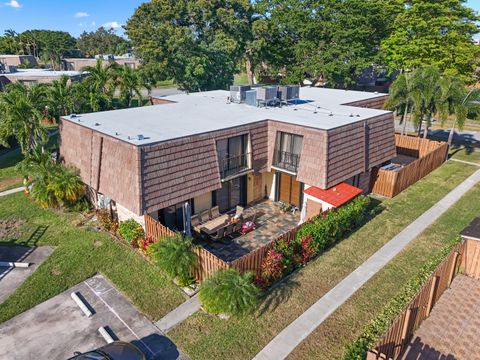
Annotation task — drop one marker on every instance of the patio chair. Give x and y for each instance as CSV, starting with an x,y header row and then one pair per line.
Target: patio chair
x,y
219,235
237,226
204,216
214,212
229,229
195,221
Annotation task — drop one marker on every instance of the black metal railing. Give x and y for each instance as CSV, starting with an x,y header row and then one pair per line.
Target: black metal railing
x,y
231,165
286,160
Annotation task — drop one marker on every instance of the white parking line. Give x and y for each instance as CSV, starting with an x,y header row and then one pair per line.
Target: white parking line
x,y
112,310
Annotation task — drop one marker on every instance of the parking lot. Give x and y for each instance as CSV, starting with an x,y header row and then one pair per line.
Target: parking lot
x,y
11,278
56,328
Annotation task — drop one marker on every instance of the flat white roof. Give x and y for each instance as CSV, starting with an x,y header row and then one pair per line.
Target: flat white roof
x,y
41,72
203,112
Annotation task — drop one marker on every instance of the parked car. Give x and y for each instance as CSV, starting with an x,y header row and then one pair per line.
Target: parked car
x,y
117,350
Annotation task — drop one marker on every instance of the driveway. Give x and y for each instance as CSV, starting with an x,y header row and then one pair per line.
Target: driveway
x,y
12,278
56,328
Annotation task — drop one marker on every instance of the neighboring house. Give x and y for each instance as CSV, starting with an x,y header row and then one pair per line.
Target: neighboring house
x,y
205,149
17,60
77,64
38,76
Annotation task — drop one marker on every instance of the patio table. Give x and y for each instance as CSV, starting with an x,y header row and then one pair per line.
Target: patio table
x,y
212,226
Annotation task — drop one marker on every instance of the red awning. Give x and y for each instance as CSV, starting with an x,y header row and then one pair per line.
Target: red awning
x,y
337,195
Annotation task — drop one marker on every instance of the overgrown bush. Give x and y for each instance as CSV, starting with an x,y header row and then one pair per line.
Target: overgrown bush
x,y
357,350
106,220
229,292
130,230
176,257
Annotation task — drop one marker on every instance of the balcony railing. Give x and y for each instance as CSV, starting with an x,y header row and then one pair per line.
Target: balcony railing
x,y
286,160
233,165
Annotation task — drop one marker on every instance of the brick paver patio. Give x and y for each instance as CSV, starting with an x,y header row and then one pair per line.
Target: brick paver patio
x,y
452,330
270,222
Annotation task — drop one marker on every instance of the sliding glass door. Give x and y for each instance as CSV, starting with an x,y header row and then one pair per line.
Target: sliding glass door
x,y
232,193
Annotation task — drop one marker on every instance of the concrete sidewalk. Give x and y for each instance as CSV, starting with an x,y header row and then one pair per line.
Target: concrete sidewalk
x,y
12,191
299,329
179,314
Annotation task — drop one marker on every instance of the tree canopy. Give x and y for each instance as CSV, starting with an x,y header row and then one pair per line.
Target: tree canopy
x,y
434,32
102,41
196,43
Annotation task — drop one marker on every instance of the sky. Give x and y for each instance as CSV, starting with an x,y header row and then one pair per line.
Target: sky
x,y
77,16
73,16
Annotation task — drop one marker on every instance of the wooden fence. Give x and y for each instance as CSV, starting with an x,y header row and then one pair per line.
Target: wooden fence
x,y
208,263
395,340
431,154
155,229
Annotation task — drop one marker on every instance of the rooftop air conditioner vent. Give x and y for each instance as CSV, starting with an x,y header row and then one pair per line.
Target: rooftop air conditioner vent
x,y
73,115
140,137
97,124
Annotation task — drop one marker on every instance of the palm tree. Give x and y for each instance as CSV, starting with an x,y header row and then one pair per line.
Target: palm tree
x,y
22,110
457,100
102,77
400,98
60,98
425,92
129,83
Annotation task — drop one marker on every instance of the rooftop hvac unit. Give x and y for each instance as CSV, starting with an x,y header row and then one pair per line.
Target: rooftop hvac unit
x,y
251,97
288,92
267,93
237,93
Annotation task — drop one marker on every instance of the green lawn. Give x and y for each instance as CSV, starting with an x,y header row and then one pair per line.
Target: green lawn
x,y
466,154
9,178
348,321
206,337
80,253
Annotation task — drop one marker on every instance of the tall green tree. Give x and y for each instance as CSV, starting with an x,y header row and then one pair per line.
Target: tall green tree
x,y
102,41
101,82
60,98
10,42
434,33
22,110
48,45
196,43
400,98
129,83
325,41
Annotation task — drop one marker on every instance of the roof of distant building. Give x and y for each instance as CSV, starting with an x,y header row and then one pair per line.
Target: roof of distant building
x,y
41,72
202,112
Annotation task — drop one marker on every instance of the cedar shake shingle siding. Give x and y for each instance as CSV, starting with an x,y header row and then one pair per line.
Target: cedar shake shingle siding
x,y
118,162
181,169
376,103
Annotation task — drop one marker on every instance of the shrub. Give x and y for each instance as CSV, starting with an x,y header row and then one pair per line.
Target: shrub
x,y
130,230
229,292
175,256
144,243
107,222
272,268
326,230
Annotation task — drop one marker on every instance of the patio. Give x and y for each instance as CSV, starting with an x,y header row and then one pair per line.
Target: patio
x,y
451,331
270,223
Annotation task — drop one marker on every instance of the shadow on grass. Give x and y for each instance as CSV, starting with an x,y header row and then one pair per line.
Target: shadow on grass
x,y
277,294
32,241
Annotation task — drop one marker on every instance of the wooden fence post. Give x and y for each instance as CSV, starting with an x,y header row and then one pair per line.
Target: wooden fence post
x,y
452,270
433,288
406,322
